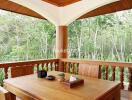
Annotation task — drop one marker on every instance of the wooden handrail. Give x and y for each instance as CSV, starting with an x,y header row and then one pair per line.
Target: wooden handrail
x,y
7,64
98,62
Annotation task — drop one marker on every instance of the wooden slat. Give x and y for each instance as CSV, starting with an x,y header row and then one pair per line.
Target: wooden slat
x,y
89,70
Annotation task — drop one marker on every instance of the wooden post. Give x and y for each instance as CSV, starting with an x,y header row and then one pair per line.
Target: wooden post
x,y
61,44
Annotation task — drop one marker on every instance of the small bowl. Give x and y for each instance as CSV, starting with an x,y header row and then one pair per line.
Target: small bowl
x,y
50,77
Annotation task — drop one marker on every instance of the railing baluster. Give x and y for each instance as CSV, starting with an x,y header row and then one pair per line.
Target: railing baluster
x,y
77,68
51,66
99,71
42,65
113,73
72,68
122,77
65,66
47,66
56,66
130,79
68,67
6,72
37,67
106,72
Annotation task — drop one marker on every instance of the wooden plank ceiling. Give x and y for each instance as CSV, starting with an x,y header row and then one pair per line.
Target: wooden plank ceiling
x,y
113,7
110,8
61,3
13,7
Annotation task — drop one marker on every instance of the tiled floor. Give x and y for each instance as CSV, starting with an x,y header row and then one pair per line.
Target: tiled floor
x,y
125,95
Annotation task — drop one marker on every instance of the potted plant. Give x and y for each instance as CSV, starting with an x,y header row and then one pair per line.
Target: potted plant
x,y
61,77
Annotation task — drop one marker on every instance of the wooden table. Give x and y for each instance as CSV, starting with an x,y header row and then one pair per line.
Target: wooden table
x,y
32,88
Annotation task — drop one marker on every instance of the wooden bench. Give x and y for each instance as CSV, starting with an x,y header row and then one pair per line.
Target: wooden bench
x,y
21,70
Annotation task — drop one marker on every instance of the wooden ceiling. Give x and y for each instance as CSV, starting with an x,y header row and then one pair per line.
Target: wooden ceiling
x,y
61,3
113,7
13,7
110,8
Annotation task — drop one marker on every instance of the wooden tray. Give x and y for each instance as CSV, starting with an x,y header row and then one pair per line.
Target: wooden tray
x,y
72,84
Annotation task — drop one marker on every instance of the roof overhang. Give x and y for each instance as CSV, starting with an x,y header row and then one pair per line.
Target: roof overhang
x,y
109,8
63,13
16,8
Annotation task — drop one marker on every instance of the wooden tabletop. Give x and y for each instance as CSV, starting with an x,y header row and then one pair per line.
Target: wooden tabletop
x,y
32,88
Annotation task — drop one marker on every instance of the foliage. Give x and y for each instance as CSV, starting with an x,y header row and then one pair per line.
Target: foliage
x,y
25,38
106,37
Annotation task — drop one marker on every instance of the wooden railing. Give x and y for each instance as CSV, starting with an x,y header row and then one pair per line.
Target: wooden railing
x,y
52,64
70,65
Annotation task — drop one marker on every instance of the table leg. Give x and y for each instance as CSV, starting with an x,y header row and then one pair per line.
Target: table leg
x,y
117,95
13,97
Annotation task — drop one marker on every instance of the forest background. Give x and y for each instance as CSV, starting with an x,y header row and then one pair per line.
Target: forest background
x,y
106,37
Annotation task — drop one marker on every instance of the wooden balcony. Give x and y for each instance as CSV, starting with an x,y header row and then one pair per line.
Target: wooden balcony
x,y
107,70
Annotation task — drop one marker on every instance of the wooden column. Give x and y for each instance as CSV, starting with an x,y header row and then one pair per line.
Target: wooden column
x,y
61,44
61,41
